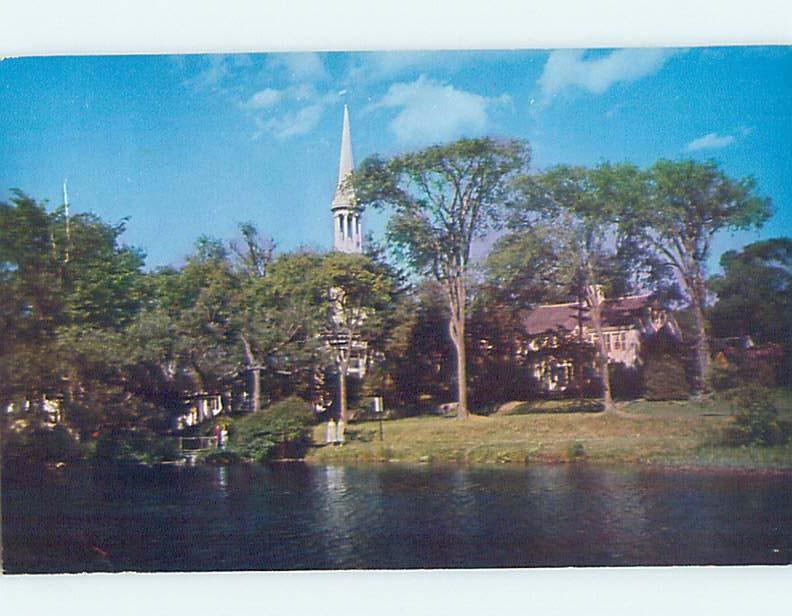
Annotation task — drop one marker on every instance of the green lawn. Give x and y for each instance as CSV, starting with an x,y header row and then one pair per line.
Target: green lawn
x,y
672,433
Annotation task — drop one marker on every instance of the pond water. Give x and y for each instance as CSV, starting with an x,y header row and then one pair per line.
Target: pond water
x,y
381,517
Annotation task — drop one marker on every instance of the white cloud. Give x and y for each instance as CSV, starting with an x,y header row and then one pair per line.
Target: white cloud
x,y
299,67
432,112
570,69
217,70
710,141
290,112
291,123
376,66
264,98
381,65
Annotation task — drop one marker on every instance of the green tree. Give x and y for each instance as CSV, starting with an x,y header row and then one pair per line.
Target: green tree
x,y
69,289
570,229
674,209
360,296
418,355
755,295
279,321
442,199
523,269
30,299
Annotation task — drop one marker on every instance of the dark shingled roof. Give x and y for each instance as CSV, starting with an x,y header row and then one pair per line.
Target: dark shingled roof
x,y
553,317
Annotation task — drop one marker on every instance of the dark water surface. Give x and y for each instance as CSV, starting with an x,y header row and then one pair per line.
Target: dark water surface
x,y
303,517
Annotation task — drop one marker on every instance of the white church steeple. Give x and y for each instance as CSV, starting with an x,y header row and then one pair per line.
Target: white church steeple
x,y
347,229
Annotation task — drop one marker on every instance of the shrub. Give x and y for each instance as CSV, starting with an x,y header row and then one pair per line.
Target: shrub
x,y
745,374
757,420
134,446
219,458
41,444
664,369
559,406
282,430
626,382
576,450
665,379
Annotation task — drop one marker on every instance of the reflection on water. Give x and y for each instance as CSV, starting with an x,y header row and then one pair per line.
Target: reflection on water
x,y
300,517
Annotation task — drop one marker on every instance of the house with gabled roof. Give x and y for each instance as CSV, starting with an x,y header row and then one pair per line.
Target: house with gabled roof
x,y
558,333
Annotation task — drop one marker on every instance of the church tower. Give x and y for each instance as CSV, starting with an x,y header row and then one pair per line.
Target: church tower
x,y
347,229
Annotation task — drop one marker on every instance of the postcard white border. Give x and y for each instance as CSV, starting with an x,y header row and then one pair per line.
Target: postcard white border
x,y
41,27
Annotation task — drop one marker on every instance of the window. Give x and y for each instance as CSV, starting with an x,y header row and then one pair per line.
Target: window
x,y
617,341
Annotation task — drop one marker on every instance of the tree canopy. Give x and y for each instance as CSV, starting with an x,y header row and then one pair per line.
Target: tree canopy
x,y
441,199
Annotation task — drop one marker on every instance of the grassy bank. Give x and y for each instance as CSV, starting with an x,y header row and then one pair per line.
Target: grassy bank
x,y
686,433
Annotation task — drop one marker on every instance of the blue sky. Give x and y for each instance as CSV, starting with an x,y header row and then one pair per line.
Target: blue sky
x,y
191,145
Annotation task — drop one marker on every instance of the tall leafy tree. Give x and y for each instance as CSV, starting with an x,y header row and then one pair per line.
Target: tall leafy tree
x,y
279,320
675,209
442,199
30,298
70,287
361,295
418,356
590,258
755,294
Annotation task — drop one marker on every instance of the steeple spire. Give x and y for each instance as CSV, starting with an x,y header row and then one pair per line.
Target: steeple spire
x,y
347,229
346,163
66,216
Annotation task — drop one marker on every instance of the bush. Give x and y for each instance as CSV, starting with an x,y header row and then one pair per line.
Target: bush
x,y
733,376
219,458
665,379
282,430
576,450
41,444
559,406
757,420
664,369
134,446
626,382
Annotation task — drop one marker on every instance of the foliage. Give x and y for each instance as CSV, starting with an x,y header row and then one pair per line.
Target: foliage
x,y
281,428
674,209
755,296
523,268
498,371
442,199
664,373
559,406
576,248
418,356
133,446
757,421
219,458
40,444
665,379
627,382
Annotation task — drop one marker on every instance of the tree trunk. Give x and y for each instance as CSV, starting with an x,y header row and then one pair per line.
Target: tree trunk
x,y
602,351
255,371
458,338
701,355
579,353
342,393
256,374
456,327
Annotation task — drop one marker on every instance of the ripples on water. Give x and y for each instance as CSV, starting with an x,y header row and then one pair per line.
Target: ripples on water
x,y
342,517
